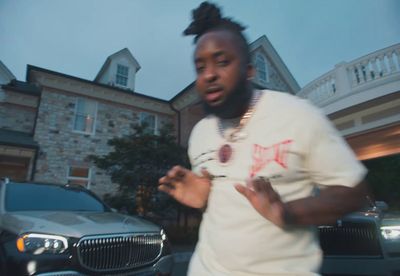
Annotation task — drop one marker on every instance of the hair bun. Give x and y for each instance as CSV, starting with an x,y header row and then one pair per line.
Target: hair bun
x,y
204,17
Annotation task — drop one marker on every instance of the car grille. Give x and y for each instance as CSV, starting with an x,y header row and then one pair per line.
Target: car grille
x,y
118,252
350,238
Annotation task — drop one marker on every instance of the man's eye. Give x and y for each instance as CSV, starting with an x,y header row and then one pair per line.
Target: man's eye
x,y
223,63
199,69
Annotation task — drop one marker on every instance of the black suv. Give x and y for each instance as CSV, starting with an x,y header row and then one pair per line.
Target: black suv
x,y
49,229
363,243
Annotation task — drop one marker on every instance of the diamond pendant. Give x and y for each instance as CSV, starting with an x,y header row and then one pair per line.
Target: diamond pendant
x,y
225,153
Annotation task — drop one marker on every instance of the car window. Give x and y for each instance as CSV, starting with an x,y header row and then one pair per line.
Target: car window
x,y
32,197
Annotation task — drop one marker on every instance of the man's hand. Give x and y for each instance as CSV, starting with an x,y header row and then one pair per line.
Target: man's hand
x,y
186,187
331,203
264,199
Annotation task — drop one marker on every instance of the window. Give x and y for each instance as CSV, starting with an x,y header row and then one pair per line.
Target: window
x,y
122,75
79,175
261,68
50,197
85,116
151,122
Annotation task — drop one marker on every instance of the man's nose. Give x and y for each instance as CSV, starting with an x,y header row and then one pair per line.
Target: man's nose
x,y
210,74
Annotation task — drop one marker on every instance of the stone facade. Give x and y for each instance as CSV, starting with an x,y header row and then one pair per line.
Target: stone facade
x,y
62,147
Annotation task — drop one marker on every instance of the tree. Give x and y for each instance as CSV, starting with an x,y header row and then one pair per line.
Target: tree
x,y
138,161
384,179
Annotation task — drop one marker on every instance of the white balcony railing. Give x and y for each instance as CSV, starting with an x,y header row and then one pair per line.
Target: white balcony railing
x,y
352,77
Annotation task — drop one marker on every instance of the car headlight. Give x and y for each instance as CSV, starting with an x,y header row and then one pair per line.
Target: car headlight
x,y
391,232
41,243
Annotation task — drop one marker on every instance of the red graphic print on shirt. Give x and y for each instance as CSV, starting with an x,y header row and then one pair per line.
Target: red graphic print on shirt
x,y
262,156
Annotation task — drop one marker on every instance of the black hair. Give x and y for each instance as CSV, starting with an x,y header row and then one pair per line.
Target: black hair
x,y
207,17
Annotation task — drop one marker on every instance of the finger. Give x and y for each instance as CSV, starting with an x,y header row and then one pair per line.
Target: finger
x,y
258,185
250,184
170,190
245,191
164,188
273,196
163,180
263,184
176,174
205,173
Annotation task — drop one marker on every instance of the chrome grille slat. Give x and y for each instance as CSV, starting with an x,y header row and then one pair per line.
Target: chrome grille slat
x,y
108,253
351,238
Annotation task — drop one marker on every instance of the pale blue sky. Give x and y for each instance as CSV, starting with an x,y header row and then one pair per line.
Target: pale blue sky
x,y
75,37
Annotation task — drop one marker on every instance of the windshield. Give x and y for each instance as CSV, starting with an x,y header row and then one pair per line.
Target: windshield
x,y
48,197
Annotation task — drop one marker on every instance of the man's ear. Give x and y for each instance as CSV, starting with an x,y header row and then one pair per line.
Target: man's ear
x,y
250,71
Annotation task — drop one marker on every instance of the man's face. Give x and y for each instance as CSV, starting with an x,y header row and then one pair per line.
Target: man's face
x,y
221,72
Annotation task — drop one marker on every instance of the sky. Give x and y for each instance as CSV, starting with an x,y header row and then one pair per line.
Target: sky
x,y
75,37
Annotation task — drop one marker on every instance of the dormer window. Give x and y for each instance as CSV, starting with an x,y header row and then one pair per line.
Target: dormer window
x,y
122,75
261,68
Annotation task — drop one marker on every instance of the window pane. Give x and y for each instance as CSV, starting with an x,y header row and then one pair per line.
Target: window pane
x,y
90,108
261,67
149,120
79,172
80,123
80,106
122,70
85,115
88,124
31,197
121,80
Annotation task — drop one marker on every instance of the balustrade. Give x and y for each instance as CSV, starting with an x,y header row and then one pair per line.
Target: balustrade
x,y
348,77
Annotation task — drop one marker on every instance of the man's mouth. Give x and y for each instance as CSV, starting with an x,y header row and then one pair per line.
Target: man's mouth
x,y
213,94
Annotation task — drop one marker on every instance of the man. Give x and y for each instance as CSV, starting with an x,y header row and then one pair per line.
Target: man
x,y
266,166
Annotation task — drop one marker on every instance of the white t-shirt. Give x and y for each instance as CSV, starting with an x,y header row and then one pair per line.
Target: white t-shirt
x,y
294,144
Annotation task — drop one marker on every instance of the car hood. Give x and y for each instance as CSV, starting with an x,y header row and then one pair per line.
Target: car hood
x,y
74,224
391,219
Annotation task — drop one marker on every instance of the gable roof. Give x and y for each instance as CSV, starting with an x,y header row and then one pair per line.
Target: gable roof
x,y
31,68
6,72
23,87
272,54
106,64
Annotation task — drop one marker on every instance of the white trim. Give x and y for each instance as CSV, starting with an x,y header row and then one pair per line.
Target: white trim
x,y
123,67
88,179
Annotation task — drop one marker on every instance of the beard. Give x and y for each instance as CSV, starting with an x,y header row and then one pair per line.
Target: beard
x,y
235,104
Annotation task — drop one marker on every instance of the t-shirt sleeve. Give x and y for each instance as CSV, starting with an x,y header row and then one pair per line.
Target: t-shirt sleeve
x,y
330,159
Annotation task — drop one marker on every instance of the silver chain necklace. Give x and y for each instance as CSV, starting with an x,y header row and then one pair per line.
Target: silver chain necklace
x,y
225,152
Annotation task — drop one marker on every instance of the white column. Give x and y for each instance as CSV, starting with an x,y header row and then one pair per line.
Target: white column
x,y
341,79
375,68
397,53
391,62
383,65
